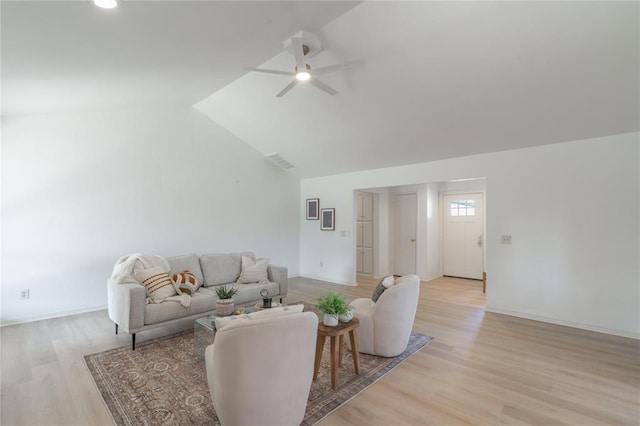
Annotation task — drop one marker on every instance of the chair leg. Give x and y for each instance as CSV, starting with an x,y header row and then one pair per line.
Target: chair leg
x,y
116,328
133,341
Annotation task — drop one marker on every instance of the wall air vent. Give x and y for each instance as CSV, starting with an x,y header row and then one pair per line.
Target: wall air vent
x,y
279,160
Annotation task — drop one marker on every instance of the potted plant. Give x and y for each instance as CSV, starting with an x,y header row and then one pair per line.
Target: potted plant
x,y
346,317
332,306
224,305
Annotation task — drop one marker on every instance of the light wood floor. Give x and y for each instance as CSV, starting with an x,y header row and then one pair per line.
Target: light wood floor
x,y
482,368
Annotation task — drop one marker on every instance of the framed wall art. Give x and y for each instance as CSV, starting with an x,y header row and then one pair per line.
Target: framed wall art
x,y
328,219
313,208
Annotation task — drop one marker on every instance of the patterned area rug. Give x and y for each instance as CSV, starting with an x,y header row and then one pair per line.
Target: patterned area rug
x,y
163,383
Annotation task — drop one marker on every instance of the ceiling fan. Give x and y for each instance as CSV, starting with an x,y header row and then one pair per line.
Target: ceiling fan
x,y
302,70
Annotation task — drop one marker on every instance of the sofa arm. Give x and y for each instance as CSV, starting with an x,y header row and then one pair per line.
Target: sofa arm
x,y
126,305
280,275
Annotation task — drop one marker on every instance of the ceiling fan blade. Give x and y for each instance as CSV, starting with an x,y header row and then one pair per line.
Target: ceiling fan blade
x,y
329,68
298,53
286,89
270,71
320,85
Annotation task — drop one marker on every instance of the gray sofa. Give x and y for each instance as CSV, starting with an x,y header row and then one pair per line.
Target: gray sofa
x,y
127,301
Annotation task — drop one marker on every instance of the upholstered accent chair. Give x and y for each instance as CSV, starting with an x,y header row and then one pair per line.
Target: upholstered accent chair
x,y
260,370
385,325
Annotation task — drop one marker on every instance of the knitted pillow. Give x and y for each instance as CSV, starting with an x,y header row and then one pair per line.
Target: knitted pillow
x,y
384,284
253,271
157,282
185,282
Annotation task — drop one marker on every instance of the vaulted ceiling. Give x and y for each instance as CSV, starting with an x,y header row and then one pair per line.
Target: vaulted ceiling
x,y
437,79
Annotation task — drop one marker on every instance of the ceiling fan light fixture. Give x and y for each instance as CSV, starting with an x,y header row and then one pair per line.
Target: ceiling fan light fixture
x,y
106,4
302,70
303,76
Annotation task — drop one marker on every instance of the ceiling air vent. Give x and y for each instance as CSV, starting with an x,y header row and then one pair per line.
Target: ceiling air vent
x,y
279,160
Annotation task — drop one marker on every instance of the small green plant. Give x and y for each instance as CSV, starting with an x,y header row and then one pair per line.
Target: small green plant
x,y
333,304
225,292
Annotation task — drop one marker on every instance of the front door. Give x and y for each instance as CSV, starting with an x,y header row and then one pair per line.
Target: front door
x,y
463,236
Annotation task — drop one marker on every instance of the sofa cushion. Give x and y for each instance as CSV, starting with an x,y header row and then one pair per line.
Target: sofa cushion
x,y
222,322
185,282
251,292
253,270
157,283
222,268
189,262
202,301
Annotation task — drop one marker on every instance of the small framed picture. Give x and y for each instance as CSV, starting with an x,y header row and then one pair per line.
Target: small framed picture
x,y
328,220
313,208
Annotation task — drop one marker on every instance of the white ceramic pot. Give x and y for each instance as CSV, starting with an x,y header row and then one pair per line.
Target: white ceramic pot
x,y
224,307
330,320
346,317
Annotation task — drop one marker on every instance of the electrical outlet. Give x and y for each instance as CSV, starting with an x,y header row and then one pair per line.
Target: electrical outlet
x,y
24,294
506,239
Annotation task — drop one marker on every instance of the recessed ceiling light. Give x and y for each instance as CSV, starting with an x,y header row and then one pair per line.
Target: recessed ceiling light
x,y
106,4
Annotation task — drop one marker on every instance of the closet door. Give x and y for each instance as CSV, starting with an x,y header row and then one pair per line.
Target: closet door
x,y
367,208
367,261
364,230
367,234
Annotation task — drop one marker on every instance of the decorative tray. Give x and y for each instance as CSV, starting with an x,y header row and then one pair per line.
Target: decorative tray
x,y
273,305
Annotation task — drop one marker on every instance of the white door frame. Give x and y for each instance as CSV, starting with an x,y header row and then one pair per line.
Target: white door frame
x,y
441,196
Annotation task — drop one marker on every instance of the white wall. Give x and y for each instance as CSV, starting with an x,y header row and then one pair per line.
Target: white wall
x,y
571,208
81,190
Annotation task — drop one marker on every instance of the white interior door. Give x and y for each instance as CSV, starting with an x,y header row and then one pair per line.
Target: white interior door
x,y
405,210
463,236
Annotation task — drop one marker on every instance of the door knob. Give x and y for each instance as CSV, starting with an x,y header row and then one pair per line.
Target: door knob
x,y
413,240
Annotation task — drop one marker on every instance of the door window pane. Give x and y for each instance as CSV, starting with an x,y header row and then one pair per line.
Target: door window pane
x,y
462,208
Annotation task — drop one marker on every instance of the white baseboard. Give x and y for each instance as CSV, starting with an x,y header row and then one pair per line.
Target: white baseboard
x,y
431,278
581,326
22,320
425,279
311,277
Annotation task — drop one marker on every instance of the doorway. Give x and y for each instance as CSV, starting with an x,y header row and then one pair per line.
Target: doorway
x,y
404,225
463,235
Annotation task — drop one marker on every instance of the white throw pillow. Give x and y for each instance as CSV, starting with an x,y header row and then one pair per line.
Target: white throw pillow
x,y
222,322
253,271
157,282
388,281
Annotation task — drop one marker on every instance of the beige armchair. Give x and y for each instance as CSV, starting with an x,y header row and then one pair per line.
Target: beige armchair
x,y
385,326
260,370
